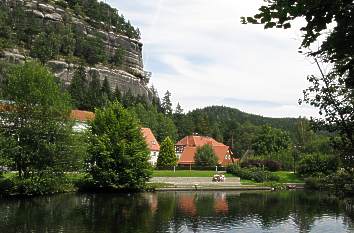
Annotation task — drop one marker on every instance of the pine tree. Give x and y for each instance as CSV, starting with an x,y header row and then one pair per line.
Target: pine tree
x,y
179,110
167,104
78,89
106,90
167,156
117,94
205,156
94,94
128,99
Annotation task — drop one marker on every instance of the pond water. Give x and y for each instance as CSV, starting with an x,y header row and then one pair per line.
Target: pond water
x,y
296,211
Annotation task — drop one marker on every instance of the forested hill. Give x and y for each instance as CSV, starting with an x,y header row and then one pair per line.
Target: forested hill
x,y
222,115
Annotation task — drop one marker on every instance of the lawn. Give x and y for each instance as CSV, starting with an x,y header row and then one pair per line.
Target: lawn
x,y
285,176
185,173
8,175
288,177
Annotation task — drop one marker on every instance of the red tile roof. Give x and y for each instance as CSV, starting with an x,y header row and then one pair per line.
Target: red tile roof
x,y
191,143
186,203
194,140
79,115
150,139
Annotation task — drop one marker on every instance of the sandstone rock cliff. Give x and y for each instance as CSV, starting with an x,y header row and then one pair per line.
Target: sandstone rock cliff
x,y
129,75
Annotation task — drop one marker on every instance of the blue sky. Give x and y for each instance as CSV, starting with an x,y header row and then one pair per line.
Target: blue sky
x,y
202,54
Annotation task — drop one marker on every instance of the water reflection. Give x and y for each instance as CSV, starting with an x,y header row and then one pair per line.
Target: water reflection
x,y
178,212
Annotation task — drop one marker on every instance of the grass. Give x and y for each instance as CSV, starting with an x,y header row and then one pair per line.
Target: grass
x,y
75,176
248,182
285,176
288,177
185,173
9,175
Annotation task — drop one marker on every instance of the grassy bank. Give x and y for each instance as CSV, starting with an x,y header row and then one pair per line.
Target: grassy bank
x,y
284,176
75,180
288,177
185,173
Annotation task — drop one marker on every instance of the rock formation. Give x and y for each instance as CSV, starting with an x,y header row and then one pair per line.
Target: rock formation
x,y
129,75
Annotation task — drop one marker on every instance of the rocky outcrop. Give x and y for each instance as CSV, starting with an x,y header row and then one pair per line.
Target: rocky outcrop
x,y
116,77
129,75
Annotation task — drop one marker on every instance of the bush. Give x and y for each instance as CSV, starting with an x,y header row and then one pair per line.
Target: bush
x,y
316,183
255,174
36,185
6,186
341,183
315,164
270,165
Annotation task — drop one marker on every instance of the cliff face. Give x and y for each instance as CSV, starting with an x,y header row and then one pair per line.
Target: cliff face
x,y
129,75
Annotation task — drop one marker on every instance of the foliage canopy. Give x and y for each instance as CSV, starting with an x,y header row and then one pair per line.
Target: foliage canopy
x,y
118,154
333,19
35,124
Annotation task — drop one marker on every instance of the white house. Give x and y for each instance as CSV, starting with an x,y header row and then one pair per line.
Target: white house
x,y
153,145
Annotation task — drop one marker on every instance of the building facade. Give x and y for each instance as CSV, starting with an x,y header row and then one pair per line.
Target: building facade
x,y
152,144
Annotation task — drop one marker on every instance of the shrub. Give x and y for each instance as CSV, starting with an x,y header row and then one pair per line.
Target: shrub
x,y
315,183
341,183
255,174
270,165
314,164
36,185
6,185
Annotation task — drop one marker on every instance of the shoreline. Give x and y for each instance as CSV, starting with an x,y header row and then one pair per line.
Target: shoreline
x,y
216,187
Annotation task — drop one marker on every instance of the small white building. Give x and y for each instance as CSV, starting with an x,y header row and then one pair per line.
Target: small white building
x,y
152,144
81,119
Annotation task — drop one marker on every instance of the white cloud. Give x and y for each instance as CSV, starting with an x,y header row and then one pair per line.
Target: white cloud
x,y
201,52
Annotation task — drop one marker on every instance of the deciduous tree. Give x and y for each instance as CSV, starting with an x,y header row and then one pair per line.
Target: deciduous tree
x,y
118,154
335,102
337,45
36,122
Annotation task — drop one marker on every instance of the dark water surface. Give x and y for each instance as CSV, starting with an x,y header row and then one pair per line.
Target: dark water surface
x,y
179,212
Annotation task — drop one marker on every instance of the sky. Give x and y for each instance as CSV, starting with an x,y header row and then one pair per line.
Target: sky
x,y
202,54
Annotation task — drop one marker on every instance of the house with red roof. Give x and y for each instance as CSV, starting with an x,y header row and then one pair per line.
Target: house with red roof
x,y
81,119
187,147
152,144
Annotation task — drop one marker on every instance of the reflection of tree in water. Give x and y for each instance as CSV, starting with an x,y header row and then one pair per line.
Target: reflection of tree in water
x,y
169,212
349,216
